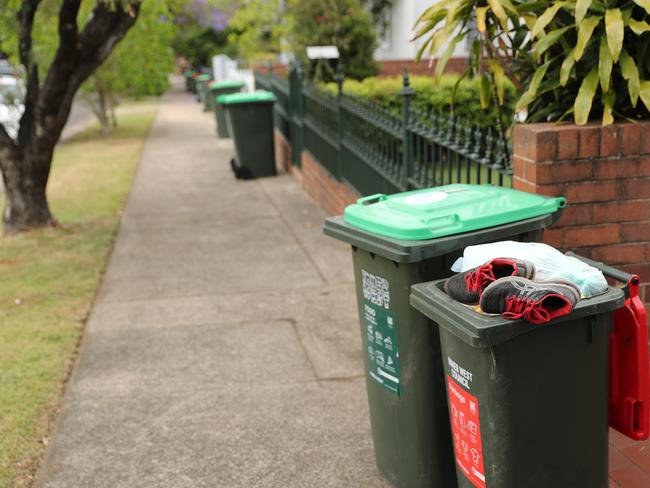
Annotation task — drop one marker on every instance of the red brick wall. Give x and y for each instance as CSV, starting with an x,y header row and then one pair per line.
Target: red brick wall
x,y
396,67
391,67
604,172
332,195
282,152
280,70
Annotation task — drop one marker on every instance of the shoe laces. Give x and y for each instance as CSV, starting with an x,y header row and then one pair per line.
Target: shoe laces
x,y
527,309
479,278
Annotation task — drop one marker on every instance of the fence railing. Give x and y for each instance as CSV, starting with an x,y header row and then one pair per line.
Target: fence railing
x,y
374,150
280,89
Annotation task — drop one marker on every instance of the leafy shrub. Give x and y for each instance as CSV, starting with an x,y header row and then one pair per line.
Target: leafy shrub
x,y
585,58
342,23
464,103
600,59
256,29
199,44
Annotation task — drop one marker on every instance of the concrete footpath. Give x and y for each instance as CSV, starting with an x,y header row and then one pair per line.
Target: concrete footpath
x,y
223,349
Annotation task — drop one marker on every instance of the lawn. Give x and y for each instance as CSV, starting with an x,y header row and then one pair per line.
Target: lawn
x,y
48,280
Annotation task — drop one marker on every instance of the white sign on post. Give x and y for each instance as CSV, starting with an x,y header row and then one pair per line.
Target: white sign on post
x,y
323,52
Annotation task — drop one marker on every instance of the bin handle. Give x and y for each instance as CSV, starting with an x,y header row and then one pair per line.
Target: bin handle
x,y
377,197
616,274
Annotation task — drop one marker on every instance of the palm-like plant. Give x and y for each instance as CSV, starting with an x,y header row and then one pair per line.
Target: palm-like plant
x,y
589,58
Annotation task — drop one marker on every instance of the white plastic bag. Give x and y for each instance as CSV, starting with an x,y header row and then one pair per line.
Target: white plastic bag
x,y
550,264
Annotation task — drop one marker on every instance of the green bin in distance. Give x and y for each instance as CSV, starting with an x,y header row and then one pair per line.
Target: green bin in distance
x,y
188,80
249,118
397,241
201,87
528,403
217,89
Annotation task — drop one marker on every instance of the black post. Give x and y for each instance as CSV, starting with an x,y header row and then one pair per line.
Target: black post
x,y
407,94
340,77
297,125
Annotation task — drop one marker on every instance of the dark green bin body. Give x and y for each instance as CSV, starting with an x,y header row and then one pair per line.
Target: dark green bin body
x,y
219,113
542,390
411,432
206,99
191,84
201,91
250,124
189,81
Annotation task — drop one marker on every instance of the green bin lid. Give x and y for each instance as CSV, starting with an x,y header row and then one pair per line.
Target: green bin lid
x,y
246,97
446,210
480,330
203,78
403,251
226,84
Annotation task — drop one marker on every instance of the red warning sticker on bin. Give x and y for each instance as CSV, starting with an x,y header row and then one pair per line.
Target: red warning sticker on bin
x,y
466,430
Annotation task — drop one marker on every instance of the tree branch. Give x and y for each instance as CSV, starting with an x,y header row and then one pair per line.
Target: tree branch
x,y
68,30
26,23
8,149
74,62
106,28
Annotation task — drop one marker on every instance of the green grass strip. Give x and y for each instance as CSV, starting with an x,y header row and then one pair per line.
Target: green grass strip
x,y
48,280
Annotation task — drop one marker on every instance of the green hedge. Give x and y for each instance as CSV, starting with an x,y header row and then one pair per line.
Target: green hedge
x,y
466,102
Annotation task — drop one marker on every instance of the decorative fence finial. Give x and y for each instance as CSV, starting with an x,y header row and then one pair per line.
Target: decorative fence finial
x,y
407,89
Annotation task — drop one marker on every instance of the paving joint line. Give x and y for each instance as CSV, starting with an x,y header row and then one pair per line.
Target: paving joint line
x,y
93,396
215,295
301,244
186,325
312,366
252,292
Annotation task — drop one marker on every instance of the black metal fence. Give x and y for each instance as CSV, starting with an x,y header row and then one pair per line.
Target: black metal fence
x,y
364,144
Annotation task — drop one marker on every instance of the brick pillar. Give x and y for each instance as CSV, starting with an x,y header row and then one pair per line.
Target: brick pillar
x,y
604,172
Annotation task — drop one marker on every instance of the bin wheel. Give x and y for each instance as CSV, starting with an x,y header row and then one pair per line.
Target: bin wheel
x,y
241,172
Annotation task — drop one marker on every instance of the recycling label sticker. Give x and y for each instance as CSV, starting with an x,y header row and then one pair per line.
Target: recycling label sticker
x,y
380,337
466,431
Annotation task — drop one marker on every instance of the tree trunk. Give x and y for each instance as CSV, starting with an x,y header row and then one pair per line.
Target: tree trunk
x,y
112,105
25,203
102,113
25,162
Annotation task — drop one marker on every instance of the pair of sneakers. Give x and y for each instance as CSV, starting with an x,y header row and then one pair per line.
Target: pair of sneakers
x,y
505,286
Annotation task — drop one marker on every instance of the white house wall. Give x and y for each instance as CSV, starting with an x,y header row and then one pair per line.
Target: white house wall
x,y
396,44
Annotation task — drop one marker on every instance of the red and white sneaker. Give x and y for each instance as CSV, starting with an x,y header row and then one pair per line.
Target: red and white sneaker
x,y
519,298
467,287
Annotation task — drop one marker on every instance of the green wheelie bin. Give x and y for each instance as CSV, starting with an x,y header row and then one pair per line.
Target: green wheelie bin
x,y
249,118
397,241
218,88
188,80
528,403
202,82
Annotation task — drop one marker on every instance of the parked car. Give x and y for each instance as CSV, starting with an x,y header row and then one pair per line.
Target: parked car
x,y
12,99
